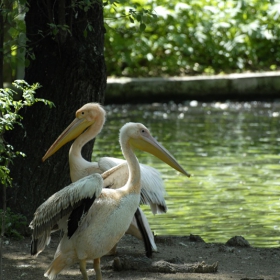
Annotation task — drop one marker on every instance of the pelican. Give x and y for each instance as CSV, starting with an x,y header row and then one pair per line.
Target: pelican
x,y
109,211
88,123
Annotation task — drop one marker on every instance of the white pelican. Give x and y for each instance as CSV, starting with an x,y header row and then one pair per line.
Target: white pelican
x,y
87,125
108,215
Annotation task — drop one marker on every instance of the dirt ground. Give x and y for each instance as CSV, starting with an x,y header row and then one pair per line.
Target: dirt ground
x,y
175,256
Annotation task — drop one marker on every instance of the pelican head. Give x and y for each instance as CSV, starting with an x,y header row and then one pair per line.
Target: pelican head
x,y
89,114
138,136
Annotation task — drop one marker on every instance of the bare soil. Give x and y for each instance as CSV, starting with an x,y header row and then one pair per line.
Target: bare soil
x,y
186,257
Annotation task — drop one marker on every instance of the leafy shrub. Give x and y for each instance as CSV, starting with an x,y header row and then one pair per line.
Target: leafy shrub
x,y
11,102
15,224
195,37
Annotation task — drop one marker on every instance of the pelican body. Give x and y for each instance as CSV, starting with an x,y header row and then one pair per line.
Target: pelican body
x,y
111,213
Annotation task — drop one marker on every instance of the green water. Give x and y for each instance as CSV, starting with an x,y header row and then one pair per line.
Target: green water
x,y
233,152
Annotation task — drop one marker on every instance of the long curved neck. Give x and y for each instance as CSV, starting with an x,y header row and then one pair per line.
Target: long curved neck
x,y
86,136
77,163
134,178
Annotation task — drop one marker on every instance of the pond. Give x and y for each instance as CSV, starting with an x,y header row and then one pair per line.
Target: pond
x,y
232,151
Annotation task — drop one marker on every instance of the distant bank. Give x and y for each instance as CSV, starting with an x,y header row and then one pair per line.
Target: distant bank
x,y
249,86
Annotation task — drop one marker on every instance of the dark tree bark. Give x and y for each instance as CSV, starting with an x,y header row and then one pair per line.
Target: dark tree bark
x,y
1,45
71,69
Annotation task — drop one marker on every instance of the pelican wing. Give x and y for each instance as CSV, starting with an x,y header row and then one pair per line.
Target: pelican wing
x,y
59,206
116,177
140,228
152,189
152,186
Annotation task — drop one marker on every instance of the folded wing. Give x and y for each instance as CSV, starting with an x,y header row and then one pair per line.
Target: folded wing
x,y
73,200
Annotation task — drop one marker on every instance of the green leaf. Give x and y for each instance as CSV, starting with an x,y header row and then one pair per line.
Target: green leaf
x,y
131,19
142,27
90,28
139,17
13,32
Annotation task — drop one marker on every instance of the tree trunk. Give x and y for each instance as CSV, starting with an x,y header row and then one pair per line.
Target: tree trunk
x,y
1,45
71,69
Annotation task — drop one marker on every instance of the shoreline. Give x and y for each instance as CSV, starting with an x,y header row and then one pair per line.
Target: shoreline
x,y
241,87
177,258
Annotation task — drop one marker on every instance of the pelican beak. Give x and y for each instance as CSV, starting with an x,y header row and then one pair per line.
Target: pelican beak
x,y
150,145
70,133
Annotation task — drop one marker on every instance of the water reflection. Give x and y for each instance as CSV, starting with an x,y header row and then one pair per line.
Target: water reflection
x,y
232,149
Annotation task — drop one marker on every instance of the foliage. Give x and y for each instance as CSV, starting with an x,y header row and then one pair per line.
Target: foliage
x,y
14,49
11,102
16,53
14,224
167,38
137,12
195,37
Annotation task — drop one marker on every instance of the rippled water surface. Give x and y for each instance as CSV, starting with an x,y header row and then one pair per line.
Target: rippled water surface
x,y
233,152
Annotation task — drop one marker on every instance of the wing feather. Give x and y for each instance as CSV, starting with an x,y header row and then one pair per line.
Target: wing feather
x,y
60,205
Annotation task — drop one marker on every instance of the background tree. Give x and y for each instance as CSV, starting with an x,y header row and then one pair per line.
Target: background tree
x,y
65,41
194,37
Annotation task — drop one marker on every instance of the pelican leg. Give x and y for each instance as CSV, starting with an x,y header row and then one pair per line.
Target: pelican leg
x,y
83,269
96,266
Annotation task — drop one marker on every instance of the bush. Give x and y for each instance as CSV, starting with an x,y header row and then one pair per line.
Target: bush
x,y
15,224
11,102
200,37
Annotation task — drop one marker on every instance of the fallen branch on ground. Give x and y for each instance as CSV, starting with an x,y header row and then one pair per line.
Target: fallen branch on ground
x,y
147,265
